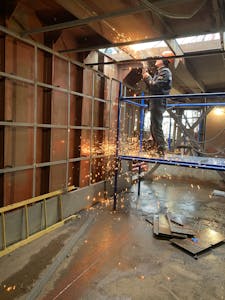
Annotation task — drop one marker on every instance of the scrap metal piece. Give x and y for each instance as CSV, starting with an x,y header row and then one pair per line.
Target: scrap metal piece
x,y
149,221
179,229
156,225
176,219
218,193
161,228
164,228
211,236
204,241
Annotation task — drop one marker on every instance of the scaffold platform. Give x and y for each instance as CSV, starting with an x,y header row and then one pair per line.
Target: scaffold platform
x,y
201,161
210,163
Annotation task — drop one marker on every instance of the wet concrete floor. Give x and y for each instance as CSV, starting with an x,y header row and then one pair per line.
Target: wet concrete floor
x,y
119,258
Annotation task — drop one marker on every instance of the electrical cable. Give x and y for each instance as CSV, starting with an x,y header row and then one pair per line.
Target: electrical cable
x,y
209,153
193,141
213,138
172,15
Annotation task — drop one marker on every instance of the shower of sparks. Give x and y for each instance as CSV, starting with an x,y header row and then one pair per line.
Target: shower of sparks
x,y
9,288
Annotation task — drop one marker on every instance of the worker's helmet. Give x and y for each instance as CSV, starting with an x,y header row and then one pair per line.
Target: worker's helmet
x,y
169,56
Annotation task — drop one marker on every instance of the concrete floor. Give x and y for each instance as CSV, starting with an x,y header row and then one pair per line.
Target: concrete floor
x,y
117,256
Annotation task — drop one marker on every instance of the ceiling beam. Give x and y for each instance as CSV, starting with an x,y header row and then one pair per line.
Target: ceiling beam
x,y
86,21
175,47
147,4
165,13
219,21
110,45
222,42
105,46
162,3
219,16
190,54
222,39
194,76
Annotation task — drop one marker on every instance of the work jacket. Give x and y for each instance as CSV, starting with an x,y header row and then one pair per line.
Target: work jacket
x,y
159,84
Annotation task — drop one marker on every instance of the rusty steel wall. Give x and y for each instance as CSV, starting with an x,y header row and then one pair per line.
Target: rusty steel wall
x,y
59,122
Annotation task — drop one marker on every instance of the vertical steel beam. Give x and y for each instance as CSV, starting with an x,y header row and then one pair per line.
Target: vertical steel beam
x,y
142,116
92,125
60,208
139,178
26,221
110,135
101,105
78,116
2,114
45,213
47,109
68,128
169,138
35,121
102,87
3,231
117,149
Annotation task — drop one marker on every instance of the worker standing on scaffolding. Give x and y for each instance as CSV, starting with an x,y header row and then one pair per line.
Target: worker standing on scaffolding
x,y
159,84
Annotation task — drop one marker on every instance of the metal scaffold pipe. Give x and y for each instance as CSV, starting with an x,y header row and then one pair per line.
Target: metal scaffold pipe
x,y
177,96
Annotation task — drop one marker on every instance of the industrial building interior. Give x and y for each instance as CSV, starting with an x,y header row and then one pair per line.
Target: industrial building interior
x,y
80,197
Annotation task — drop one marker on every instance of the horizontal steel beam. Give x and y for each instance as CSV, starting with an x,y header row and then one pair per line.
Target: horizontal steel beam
x,y
55,53
185,55
86,21
23,124
196,104
135,103
127,43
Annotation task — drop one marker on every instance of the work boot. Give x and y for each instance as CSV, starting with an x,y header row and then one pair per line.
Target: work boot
x,y
148,145
161,151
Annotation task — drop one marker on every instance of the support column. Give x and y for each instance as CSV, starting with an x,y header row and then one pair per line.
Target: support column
x,y
78,116
2,111
179,113
46,118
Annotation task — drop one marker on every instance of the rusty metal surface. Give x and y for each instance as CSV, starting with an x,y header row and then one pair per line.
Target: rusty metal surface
x,y
164,228
211,236
161,227
205,240
176,219
190,246
179,229
156,225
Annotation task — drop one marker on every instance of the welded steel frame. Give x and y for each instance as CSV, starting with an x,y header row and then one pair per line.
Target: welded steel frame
x,y
35,83
157,161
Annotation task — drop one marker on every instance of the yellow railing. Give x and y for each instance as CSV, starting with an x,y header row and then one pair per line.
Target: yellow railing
x,y
24,204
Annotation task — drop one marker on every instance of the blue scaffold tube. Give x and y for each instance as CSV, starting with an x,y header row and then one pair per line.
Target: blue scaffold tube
x,y
135,103
117,149
177,96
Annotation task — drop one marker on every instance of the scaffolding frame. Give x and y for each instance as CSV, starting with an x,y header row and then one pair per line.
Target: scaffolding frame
x,y
197,164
